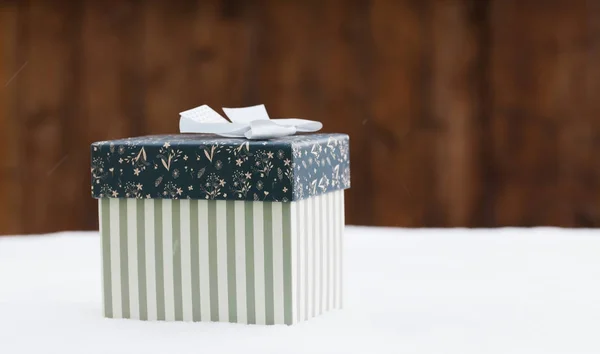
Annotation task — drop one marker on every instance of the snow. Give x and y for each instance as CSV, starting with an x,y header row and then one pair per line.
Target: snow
x,y
407,291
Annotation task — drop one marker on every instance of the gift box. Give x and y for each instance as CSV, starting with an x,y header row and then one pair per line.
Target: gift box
x,y
198,227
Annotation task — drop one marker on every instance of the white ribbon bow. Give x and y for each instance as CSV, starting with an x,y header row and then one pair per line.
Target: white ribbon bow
x,y
249,122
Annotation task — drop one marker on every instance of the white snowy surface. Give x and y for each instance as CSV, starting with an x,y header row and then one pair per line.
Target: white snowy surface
x,y
407,291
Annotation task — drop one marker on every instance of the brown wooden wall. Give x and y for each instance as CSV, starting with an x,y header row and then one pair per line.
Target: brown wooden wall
x,y
460,113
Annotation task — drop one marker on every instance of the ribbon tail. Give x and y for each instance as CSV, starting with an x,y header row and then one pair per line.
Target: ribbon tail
x,y
267,129
301,125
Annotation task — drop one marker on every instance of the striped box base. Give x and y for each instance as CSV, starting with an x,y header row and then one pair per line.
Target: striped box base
x,y
229,261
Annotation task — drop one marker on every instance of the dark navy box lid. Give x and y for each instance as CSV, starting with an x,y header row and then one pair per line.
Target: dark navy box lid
x,y
200,166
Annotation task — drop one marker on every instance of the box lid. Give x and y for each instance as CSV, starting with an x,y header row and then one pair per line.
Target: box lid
x,y
200,166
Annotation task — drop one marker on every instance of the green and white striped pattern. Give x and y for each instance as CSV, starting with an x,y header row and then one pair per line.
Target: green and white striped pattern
x,y
216,260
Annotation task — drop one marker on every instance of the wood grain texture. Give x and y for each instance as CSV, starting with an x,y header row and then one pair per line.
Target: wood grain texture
x,y
460,112
403,131
578,110
112,92
456,102
585,201
10,197
541,131
46,105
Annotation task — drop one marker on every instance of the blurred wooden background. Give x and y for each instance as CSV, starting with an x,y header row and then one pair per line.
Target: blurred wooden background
x,y
461,113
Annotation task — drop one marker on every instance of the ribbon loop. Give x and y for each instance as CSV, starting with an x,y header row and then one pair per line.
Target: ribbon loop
x,y
246,122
